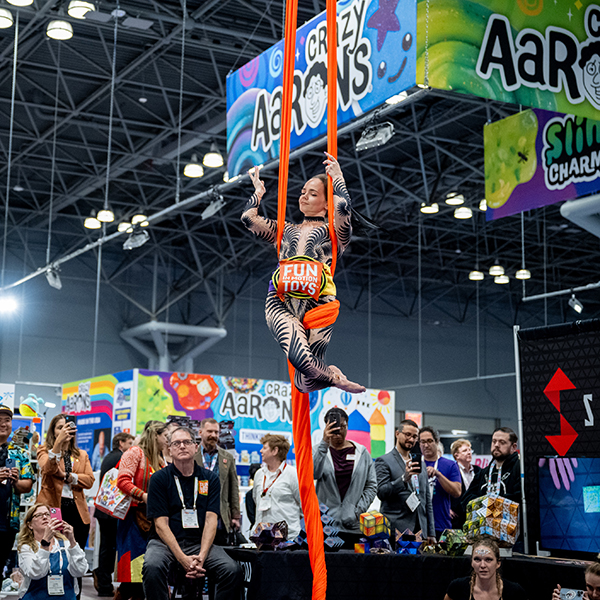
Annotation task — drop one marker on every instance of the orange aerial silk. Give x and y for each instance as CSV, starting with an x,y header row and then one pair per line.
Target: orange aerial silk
x,y
320,316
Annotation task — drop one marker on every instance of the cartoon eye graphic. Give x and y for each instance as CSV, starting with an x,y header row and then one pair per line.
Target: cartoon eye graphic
x,y
407,42
381,69
591,68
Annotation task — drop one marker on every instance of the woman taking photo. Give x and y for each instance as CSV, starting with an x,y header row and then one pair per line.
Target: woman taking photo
x,y
66,471
485,581
51,562
135,469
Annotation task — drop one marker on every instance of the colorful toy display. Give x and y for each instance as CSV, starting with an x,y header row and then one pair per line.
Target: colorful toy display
x,y
269,535
374,525
494,516
454,542
408,542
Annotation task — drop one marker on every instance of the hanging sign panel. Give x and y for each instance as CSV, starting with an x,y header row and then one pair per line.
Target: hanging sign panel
x,y
376,60
538,157
538,53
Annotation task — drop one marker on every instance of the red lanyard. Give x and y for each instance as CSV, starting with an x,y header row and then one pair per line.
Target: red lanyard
x,y
266,489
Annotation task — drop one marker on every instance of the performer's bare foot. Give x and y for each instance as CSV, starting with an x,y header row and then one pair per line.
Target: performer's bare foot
x,y
342,382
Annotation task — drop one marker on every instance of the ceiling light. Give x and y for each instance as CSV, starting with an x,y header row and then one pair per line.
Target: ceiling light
x,y
53,277
422,86
92,223
213,159
483,205
118,13
459,432
193,169
523,274
575,304
6,18
20,2
397,98
142,99
463,212
105,215
139,218
18,187
476,275
496,270
144,223
78,9
374,136
455,199
213,208
123,226
59,30
501,279
8,304
429,209
136,239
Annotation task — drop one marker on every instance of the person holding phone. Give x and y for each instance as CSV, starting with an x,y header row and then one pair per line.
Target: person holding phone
x,y
16,478
592,585
66,471
49,557
345,476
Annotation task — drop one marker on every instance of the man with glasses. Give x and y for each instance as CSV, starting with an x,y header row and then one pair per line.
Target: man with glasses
x,y
444,478
183,501
403,487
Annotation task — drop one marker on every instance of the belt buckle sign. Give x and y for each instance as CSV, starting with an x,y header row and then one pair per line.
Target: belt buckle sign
x,y
300,278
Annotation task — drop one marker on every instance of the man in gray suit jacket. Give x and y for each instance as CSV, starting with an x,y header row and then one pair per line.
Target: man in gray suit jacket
x,y
404,501
220,462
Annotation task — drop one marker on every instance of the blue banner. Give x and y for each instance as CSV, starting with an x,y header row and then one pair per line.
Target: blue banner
x,y
376,60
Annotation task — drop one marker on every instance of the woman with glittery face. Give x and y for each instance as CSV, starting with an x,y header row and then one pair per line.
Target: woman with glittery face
x,y
308,241
485,581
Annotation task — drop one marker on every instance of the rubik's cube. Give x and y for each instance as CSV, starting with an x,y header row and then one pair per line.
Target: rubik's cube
x,y
374,525
494,516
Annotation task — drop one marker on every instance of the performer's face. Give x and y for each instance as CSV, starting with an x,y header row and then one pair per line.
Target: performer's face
x,y
313,202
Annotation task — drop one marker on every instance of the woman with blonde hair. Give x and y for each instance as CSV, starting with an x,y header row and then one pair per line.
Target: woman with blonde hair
x,y
135,469
51,561
485,581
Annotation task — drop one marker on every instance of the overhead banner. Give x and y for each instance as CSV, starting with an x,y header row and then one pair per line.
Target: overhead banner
x,y
560,387
376,57
539,53
536,158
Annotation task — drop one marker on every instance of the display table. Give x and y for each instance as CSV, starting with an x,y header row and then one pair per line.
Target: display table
x,y
287,576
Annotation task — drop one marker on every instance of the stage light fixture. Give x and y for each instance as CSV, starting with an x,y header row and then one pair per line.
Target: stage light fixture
x,y
476,275
78,9
7,304
454,199
6,18
213,159
483,205
496,270
123,226
137,238
463,212
139,218
92,223
105,215
374,136
193,169
59,30
575,304
53,277
214,207
429,209
523,274
501,279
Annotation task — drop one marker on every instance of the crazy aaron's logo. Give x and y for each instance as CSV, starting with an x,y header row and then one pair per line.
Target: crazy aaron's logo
x,y
571,151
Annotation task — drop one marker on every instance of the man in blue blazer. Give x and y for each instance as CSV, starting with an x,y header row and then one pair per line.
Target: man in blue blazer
x,y
403,485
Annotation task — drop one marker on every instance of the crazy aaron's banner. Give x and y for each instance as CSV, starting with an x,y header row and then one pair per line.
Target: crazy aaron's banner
x,y
376,60
536,158
538,53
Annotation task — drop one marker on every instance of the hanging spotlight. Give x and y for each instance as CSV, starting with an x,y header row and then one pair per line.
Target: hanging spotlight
x,y
123,226
7,304
139,218
193,169
6,18
20,2
476,275
105,215
78,9
429,209
501,279
53,277
59,30
214,207
523,274
463,212
375,135
454,199
496,270
213,159
575,304
483,205
136,239
92,223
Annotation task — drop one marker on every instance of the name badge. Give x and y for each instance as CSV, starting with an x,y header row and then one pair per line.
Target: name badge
x,y
189,518
264,503
55,585
351,457
413,502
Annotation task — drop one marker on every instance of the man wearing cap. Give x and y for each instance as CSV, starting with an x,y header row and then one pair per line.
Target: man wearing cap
x,y
16,478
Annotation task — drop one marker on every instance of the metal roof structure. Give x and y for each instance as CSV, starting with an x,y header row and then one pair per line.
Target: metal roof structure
x,y
192,268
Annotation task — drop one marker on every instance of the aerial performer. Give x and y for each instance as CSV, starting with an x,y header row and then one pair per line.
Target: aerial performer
x,y
303,280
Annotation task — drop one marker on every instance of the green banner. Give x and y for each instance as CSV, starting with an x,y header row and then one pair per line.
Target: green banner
x,y
538,53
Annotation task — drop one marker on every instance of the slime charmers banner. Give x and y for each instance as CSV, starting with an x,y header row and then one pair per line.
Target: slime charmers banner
x,y
376,60
538,53
536,158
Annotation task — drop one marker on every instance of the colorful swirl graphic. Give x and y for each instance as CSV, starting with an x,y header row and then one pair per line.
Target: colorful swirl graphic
x,y
249,72
276,62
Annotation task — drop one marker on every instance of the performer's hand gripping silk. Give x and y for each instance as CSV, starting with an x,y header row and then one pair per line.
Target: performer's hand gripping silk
x,y
305,244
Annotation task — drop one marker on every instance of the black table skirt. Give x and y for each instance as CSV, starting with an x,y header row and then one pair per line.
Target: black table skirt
x,y
287,576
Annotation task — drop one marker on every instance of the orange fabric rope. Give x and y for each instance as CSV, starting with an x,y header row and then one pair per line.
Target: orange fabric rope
x,y
332,117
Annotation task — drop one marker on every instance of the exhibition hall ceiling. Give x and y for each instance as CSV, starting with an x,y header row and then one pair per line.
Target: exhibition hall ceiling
x,y
59,174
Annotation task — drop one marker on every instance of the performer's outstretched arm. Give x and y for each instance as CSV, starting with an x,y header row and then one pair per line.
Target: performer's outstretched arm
x,y
261,226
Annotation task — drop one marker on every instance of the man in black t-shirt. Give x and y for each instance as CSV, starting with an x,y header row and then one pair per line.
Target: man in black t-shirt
x,y
183,501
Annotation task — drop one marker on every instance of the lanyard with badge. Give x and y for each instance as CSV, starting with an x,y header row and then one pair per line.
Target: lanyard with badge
x,y
56,586
493,489
210,464
433,479
189,516
264,502
413,500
